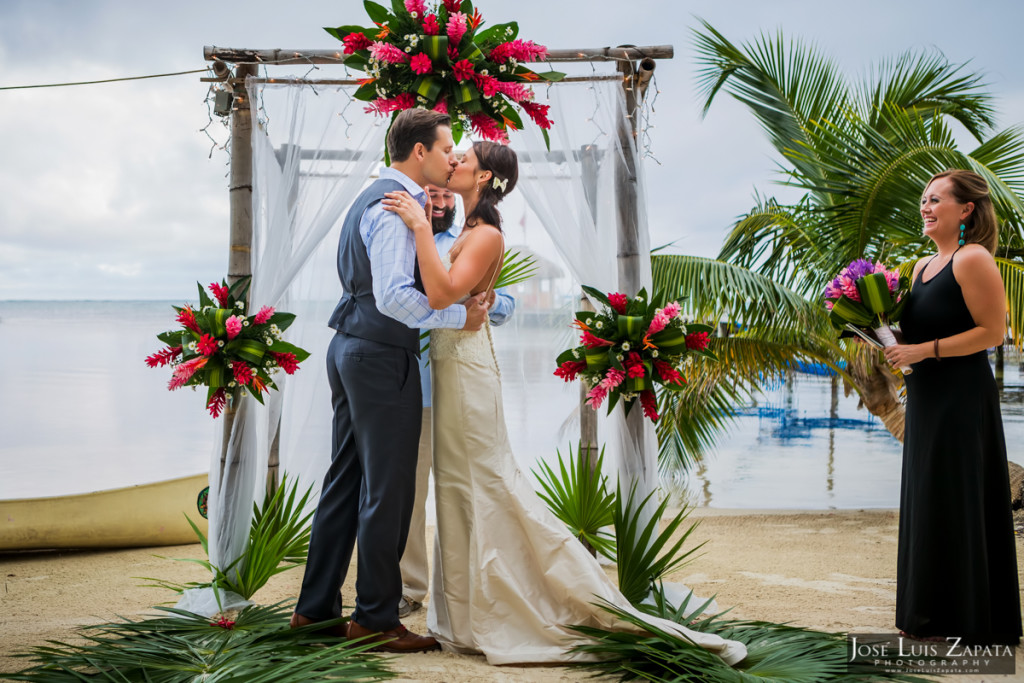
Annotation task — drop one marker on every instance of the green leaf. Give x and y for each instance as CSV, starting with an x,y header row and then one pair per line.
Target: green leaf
x,y
282,320
515,268
366,92
249,350
597,294
378,13
284,347
495,35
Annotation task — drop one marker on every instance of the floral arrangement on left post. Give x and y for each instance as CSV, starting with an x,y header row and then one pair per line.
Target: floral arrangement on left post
x,y
221,348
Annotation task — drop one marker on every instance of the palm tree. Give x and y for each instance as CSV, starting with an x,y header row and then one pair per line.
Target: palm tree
x,y
861,155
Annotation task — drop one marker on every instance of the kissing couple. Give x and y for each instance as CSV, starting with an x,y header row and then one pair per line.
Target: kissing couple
x,y
509,578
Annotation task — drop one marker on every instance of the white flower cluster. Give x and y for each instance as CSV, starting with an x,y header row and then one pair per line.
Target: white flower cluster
x,y
274,333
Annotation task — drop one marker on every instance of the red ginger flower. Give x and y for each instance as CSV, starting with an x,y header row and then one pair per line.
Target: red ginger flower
x,y
187,317
486,128
596,396
570,368
613,378
217,402
441,106
384,106
537,112
243,373
354,42
618,302
456,28
163,356
520,50
430,25
420,63
184,372
668,373
207,345
417,8
516,91
220,292
286,361
223,622
592,342
650,404
233,325
462,70
488,85
697,341
452,5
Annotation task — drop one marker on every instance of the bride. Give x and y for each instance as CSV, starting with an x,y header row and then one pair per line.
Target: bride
x,y
509,577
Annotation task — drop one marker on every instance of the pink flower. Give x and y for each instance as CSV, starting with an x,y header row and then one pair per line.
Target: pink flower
x,y
384,106
488,85
618,302
220,292
441,106
667,372
215,406
243,373
488,129
517,92
386,52
462,70
520,50
420,63
187,317
849,287
456,27
354,42
453,54
658,323
417,8
537,112
207,345
570,368
650,404
697,341
286,361
184,371
430,25
596,397
671,309
163,356
233,325
264,315
613,378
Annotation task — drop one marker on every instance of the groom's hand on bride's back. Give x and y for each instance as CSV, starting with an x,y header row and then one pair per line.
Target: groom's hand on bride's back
x,y
476,312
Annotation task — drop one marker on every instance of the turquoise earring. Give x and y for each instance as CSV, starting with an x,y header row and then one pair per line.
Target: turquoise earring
x,y
962,229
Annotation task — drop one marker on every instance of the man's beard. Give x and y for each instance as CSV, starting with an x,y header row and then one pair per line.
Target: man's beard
x,y
443,223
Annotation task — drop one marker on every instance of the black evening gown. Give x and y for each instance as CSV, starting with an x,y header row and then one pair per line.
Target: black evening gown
x,y
957,563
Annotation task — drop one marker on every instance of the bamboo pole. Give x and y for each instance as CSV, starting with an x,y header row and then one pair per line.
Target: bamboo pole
x,y
303,56
240,197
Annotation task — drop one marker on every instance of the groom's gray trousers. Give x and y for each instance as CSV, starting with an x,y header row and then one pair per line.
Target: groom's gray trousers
x,y
368,493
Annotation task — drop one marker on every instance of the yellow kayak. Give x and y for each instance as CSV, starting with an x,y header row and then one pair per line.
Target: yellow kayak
x,y
133,517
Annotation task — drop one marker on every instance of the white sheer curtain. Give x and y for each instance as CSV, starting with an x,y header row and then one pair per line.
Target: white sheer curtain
x,y
573,191
313,151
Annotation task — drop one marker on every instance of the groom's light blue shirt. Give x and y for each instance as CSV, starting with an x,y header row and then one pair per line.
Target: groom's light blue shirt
x,y
391,247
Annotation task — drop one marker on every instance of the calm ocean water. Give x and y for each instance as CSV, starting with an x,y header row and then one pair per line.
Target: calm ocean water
x,y
80,411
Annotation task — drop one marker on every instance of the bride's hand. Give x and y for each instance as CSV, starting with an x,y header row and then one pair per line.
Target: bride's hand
x,y
416,217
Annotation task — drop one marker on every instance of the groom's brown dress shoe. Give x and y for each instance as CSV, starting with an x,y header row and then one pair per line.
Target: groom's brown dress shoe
x,y
398,639
337,630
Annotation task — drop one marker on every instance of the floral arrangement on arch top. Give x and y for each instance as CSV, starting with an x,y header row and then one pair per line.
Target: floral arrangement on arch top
x,y
437,57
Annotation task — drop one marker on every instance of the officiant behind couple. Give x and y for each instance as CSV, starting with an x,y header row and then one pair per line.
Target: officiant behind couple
x,y
509,578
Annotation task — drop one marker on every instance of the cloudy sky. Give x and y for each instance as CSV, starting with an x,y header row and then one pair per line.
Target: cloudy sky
x,y
110,191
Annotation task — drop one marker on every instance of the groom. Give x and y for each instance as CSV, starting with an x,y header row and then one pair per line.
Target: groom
x,y
368,492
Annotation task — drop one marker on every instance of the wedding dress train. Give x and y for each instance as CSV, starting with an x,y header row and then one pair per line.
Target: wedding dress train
x,y
509,578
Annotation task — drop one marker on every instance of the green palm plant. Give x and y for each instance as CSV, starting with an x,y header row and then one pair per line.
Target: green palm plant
x,y
278,541
860,155
578,495
775,652
181,647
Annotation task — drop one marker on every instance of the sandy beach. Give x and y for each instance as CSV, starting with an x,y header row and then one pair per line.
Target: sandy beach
x,y
831,570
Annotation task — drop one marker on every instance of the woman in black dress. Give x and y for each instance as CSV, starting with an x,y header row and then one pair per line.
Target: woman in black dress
x,y
957,564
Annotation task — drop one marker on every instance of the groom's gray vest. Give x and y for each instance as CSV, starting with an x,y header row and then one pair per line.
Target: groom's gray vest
x,y
357,314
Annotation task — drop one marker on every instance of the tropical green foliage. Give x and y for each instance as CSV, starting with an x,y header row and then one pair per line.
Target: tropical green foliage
x,y
516,267
775,652
861,154
182,647
579,497
278,541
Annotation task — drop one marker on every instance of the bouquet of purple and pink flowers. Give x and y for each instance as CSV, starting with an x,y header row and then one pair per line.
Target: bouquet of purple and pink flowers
x,y
867,296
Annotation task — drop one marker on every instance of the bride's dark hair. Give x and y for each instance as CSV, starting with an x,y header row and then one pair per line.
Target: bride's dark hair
x,y
503,164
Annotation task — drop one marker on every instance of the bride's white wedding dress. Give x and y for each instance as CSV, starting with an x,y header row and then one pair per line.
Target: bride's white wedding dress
x,y
508,576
